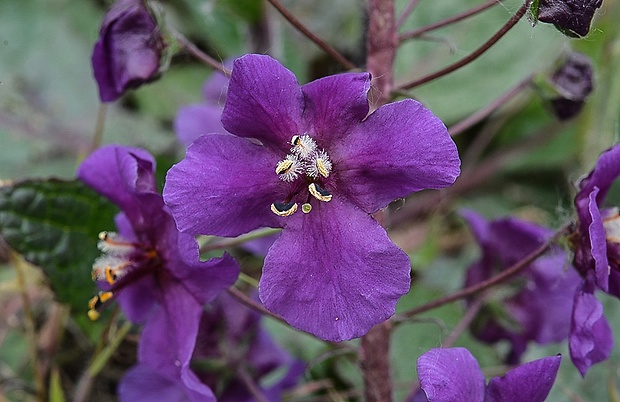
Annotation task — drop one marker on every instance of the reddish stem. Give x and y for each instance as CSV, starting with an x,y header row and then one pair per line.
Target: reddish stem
x,y
474,55
416,33
319,42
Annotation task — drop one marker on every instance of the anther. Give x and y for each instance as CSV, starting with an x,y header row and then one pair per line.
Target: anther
x,y
284,208
95,303
306,208
284,166
289,168
303,146
319,192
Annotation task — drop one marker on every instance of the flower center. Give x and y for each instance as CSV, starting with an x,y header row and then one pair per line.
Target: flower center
x,y
120,263
307,161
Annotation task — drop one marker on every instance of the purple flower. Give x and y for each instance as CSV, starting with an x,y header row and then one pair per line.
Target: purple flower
x,y
128,51
232,344
151,269
197,119
572,17
538,309
448,375
596,243
309,160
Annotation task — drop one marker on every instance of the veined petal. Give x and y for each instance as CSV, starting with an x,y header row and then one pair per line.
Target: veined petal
x,y
336,104
529,382
400,148
192,121
598,243
591,339
605,172
448,375
119,173
143,383
334,272
224,186
264,101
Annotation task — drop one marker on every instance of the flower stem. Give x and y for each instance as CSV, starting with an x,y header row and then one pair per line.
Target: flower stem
x,y
407,12
318,41
98,134
221,243
473,119
416,33
474,55
200,55
479,287
375,363
251,385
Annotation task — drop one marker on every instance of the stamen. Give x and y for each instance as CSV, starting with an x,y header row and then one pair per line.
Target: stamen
x,y
289,168
319,192
96,303
321,165
303,146
306,208
284,209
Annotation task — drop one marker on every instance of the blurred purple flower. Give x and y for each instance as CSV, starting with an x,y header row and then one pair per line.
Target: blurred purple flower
x,y
539,309
197,119
596,243
128,51
448,375
152,270
572,17
232,344
333,271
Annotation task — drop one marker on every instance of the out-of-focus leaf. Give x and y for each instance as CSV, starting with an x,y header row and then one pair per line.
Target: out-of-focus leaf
x,y
54,225
56,392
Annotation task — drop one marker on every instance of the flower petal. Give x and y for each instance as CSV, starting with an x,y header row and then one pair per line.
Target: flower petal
x,y
119,173
529,382
448,375
336,104
142,383
400,148
334,272
591,339
598,243
224,186
605,172
192,121
264,101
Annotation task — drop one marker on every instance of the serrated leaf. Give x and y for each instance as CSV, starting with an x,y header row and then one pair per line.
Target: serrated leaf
x,y
54,224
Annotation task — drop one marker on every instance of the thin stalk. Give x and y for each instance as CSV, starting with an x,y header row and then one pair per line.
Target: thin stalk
x,y
251,385
99,124
305,31
228,243
407,12
474,55
200,55
29,325
479,287
416,33
481,114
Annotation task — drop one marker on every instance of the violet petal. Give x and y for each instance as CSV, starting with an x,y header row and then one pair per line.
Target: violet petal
x,y
334,272
400,148
192,121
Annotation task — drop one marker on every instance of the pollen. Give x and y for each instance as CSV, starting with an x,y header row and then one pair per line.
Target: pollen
x,y
284,208
303,146
319,192
319,165
289,168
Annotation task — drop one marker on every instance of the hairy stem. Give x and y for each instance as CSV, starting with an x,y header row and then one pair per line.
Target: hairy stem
x,y
305,31
474,55
204,58
407,12
416,33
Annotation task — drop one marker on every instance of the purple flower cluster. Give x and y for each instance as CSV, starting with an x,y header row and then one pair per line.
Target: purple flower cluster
x,y
312,161
539,308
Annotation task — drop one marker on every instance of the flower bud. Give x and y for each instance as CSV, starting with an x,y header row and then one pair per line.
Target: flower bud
x,y
128,51
573,82
571,17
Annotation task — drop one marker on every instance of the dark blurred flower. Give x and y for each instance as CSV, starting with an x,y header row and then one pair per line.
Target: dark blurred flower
x,y
539,308
596,243
152,270
573,81
572,17
128,51
333,271
449,375
232,347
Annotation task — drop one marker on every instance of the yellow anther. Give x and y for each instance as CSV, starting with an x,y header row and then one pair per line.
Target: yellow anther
x,y
110,276
319,193
284,166
105,296
284,209
93,314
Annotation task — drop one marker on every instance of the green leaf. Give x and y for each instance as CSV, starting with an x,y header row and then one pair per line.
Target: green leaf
x,y
54,224
56,392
